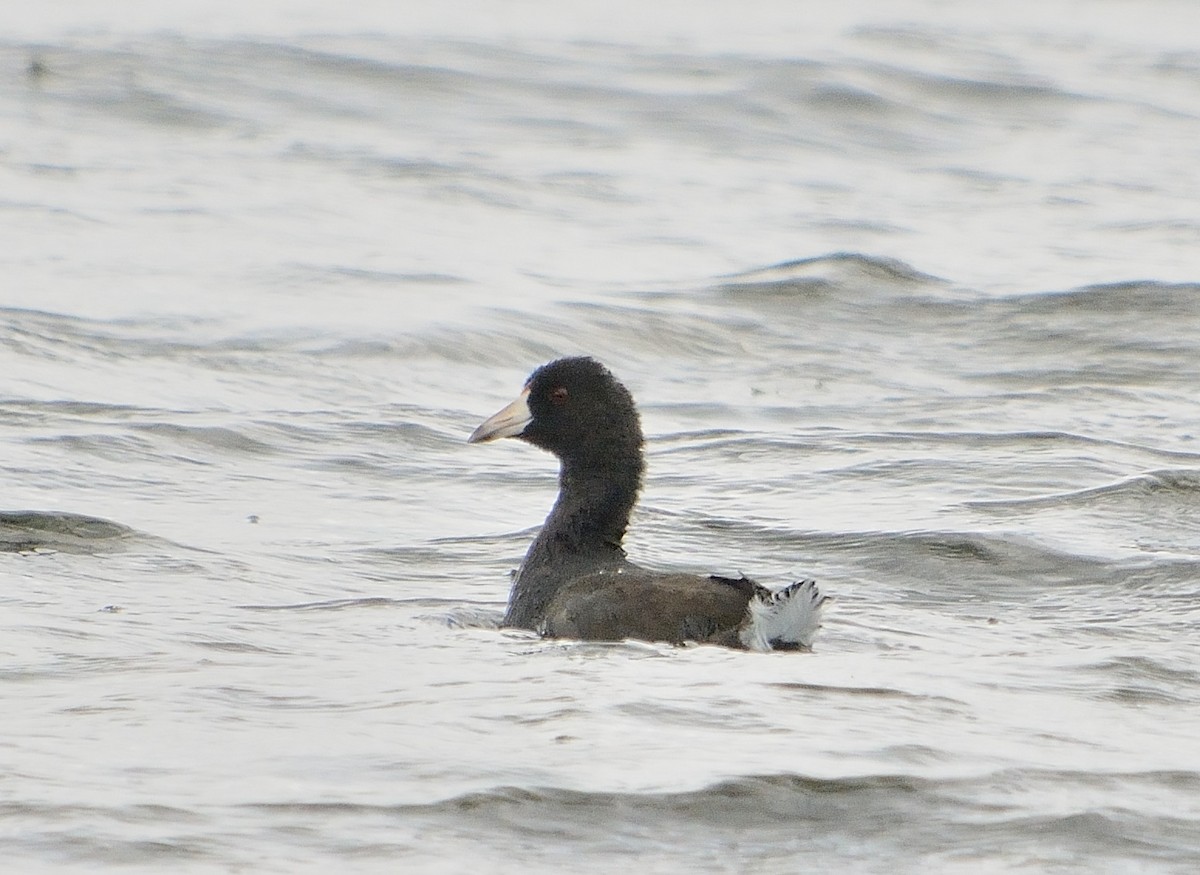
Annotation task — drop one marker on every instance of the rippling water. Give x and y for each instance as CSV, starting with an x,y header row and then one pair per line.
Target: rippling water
x,y
910,301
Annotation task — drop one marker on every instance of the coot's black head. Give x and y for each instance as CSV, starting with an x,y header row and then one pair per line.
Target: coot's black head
x,y
576,409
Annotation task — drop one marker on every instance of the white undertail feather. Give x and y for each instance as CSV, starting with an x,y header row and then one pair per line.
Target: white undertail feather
x,y
789,617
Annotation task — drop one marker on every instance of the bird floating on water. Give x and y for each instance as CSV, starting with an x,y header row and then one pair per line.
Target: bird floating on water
x,y
576,581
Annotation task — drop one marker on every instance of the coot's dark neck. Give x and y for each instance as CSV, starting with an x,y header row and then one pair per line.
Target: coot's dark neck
x,y
582,534
593,507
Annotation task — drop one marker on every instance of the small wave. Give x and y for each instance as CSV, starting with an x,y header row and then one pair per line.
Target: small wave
x,y
828,273
779,816
949,565
353,603
453,613
215,437
28,531
302,63
155,440
328,605
62,337
963,558
755,799
114,82
1164,484
1019,95
238,647
989,549
1016,439
470,617
59,409
338,274
1139,299
50,335
1143,680
867,692
525,340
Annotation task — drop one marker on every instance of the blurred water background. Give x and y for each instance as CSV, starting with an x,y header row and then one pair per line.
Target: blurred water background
x,y
908,294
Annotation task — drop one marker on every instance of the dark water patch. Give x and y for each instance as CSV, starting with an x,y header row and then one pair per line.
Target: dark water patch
x,y
29,530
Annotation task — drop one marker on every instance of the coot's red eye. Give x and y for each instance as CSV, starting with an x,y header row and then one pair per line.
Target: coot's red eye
x,y
558,395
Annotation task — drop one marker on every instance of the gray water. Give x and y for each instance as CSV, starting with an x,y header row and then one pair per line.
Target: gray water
x,y
909,295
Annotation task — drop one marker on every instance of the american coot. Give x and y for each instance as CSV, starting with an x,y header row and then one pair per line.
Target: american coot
x,y
575,581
